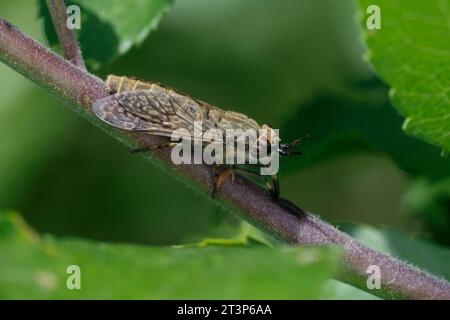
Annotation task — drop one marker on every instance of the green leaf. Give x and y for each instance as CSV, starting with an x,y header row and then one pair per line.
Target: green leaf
x,y
358,118
421,253
110,30
34,267
430,201
411,52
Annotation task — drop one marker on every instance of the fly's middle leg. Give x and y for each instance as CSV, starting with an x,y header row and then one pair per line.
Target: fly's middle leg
x,y
221,173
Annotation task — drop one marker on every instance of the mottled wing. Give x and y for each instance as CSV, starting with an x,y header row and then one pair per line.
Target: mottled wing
x,y
110,111
145,110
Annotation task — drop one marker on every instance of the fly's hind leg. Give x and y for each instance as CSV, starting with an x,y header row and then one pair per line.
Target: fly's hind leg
x,y
272,184
220,176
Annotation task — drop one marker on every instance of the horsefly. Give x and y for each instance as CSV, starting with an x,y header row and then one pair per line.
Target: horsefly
x,y
144,106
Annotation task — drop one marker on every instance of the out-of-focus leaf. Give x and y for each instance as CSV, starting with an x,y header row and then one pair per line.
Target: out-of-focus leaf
x,y
33,132
358,119
109,29
430,201
420,253
31,267
411,52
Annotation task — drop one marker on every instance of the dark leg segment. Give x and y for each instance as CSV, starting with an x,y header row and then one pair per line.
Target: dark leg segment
x,y
156,146
273,186
220,176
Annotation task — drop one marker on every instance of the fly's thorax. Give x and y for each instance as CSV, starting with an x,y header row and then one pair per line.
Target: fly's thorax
x,y
242,132
270,134
232,120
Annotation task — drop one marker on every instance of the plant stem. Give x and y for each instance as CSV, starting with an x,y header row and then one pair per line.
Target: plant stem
x,y
80,89
66,36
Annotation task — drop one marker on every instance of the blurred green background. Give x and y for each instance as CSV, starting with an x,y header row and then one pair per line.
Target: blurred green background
x,y
271,62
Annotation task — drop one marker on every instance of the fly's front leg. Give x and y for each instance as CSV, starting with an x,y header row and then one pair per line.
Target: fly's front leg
x,y
220,176
273,186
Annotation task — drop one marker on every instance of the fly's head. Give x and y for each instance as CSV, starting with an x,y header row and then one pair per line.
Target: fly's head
x,y
285,149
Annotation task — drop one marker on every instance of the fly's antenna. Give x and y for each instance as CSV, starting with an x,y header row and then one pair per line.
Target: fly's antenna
x,y
286,148
299,140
